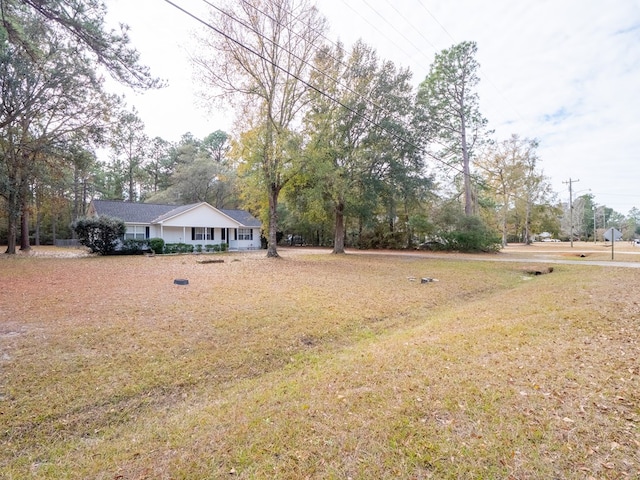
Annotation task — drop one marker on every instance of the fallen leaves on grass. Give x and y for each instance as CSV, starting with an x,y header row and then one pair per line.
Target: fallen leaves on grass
x,y
316,366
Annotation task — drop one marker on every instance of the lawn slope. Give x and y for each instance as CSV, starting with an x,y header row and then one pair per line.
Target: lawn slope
x,y
317,366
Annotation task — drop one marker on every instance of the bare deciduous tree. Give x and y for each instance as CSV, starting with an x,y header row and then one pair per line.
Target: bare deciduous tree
x,y
257,60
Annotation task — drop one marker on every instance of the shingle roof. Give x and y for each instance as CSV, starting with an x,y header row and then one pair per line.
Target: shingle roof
x,y
152,213
131,212
243,217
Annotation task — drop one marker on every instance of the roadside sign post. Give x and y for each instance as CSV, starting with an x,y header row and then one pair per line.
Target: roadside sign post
x,y
612,235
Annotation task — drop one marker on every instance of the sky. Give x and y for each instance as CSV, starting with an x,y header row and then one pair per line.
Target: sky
x,y
565,72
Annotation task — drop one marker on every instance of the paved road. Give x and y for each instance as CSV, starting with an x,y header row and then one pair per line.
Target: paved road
x,y
597,263
501,257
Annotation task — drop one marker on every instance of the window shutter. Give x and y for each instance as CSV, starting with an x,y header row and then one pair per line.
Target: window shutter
x,y
193,233
213,233
224,234
235,234
146,232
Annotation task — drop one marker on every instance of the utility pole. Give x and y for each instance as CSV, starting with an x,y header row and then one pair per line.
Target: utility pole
x,y
571,182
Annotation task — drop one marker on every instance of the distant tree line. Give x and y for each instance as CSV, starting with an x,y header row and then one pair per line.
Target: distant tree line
x,y
334,145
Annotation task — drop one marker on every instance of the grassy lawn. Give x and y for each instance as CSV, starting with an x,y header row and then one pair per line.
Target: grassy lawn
x,y
317,366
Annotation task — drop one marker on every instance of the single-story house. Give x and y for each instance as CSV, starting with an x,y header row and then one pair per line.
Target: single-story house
x,y
195,224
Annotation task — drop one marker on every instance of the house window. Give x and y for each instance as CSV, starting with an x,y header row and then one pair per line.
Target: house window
x,y
139,232
200,233
245,234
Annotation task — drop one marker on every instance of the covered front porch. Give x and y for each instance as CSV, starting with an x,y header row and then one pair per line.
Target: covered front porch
x,y
233,238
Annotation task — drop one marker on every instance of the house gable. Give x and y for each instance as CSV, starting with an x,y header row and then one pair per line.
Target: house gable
x,y
198,215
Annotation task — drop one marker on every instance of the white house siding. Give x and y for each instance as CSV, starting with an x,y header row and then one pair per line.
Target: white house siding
x,y
154,231
183,235
176,235
247,244
200,216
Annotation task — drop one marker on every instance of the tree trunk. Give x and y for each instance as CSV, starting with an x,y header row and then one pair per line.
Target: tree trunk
x,y
36,234
12,221
132,185
39,215
527,224
272,246
76,193
338,240
505,212
468,201
466,169
24,230
54,221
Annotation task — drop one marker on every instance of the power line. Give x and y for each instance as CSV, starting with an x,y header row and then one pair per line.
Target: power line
x,y
374,27
394,28
293,75
435,49
487,78
317,49
437,21
312,87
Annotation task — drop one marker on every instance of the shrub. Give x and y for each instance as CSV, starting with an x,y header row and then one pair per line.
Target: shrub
x,y
198,248
101,234
223,247
133,246
380,237
469,234
157,245
178,248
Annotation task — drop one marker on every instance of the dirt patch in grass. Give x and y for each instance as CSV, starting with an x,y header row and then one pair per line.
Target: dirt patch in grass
x,y
316,366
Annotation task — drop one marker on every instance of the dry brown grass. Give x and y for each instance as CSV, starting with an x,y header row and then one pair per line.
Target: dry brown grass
x,y
317,366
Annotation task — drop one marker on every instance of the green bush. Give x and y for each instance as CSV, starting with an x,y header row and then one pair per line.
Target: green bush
x,y
157,245
198,248
178,248
101,234
469,234
133,246
380,237
223,247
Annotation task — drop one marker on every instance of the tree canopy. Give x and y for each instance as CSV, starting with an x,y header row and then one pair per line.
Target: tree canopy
x,y
450,111
259,62
332,145
81,24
